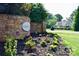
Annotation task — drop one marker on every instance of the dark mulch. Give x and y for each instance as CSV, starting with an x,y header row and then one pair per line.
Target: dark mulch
x,y
61,50
2,48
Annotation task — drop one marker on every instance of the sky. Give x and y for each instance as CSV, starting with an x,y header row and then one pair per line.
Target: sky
x,y
65,9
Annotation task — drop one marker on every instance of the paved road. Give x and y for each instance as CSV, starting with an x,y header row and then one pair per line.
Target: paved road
x,y
61,31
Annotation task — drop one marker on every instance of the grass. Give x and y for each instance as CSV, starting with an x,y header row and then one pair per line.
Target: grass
x,y
70,38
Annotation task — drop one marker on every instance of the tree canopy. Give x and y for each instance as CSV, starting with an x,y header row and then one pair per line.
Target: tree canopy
x,y
76,24
51,20
59,17
38,13
15,8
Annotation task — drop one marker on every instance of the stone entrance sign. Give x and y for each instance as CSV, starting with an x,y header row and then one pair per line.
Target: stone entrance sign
x,y
14,25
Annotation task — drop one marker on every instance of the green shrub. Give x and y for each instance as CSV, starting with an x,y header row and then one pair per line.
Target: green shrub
x,y
30,43
43,43
10,46
55,40
76,22
30,38
48,40
53,46
56,35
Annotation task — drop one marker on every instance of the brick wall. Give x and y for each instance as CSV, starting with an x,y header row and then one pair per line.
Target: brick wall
x,y
38,27
11,24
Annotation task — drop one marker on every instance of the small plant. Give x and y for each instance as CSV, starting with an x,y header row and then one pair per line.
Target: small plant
x,y
55,41
48,40
30,43
57,36
30,38
10,46
53,48
43,44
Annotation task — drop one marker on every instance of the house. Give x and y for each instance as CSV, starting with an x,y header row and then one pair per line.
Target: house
x,y
63,24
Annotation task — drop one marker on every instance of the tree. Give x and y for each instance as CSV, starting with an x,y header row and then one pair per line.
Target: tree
x,y
59,17
71,19
50,16
26,8
9,8
73,14
51,20
20,8
3,8
16,8
76,24
38,13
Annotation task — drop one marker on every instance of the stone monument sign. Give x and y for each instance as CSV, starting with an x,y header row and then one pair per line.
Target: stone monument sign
x,y
14,25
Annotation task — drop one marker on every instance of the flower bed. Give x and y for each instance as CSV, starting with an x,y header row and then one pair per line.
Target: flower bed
x,y
37,44
44,44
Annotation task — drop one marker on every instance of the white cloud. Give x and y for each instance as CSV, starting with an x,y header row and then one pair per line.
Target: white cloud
x,y
65,9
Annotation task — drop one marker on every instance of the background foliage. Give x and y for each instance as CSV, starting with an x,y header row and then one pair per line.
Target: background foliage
x,y
76,24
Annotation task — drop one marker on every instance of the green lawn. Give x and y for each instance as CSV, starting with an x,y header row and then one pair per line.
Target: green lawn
x,y
70,38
